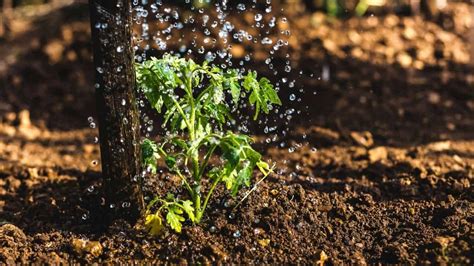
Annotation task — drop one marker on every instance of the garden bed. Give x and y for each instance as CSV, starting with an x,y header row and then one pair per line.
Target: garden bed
x,y
378,169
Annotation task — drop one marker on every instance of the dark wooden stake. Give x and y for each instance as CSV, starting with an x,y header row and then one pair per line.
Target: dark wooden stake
x,y
117,110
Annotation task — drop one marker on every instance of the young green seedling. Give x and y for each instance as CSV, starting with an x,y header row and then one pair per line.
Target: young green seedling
x,y
196,102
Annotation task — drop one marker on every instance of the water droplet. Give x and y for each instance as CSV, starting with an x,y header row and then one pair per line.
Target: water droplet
x,y
237,234
267,40
91,189
212,229
258,17
94,163
292,97
120,48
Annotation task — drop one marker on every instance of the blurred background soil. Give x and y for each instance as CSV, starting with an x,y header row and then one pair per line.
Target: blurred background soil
x,y
376,168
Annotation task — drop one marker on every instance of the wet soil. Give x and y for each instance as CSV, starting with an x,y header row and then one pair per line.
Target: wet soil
x,y
378,168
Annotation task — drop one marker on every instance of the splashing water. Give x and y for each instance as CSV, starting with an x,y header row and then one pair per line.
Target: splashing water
x,y
229,35
245,36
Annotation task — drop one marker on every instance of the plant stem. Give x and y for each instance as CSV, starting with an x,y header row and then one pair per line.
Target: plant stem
x,y
186,184
201,212
206,161
181,112
253,189
183,178
193,108
197,207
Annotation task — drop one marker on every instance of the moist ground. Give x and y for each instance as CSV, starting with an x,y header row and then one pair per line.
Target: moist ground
x,y
381,169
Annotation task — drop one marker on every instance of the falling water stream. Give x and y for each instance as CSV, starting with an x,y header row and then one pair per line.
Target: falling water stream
x,y
248,35
229,35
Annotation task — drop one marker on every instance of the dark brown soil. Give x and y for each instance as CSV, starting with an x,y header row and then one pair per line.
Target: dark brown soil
x,y
378,168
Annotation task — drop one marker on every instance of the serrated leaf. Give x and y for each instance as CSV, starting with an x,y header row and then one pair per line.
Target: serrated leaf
x,y
270,95
234,91
250,81
174,220
189,209
176,209
243,178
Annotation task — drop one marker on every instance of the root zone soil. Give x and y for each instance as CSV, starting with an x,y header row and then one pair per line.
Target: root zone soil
x,y
381,173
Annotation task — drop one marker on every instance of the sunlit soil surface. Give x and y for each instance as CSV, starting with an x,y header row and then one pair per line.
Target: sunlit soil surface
x,y
377,169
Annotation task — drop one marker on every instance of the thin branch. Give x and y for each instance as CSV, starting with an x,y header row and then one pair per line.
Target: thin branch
x,y
253,189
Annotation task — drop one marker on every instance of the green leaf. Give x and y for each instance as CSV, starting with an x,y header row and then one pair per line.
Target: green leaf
x,y
170,197
218,94
232,155
250,81
262,93
229,178
218,112
174,220
270,95
150,154
252,155
263,167
215,173
234,91
189,209
170,161
180,143
243,178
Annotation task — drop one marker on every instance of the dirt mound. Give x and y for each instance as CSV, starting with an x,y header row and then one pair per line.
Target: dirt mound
x,y
377,169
